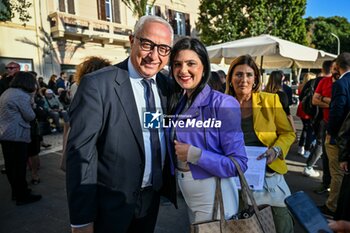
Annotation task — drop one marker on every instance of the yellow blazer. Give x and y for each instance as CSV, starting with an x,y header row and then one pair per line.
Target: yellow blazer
x,y
272,126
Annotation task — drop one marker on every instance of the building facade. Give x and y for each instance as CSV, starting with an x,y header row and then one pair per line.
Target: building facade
x,y
61,33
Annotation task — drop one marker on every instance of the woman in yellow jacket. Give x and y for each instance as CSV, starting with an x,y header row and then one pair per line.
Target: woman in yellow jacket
x,y
264,123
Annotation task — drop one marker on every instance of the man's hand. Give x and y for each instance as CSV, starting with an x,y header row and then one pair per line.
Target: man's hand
x,y
181,150
86,229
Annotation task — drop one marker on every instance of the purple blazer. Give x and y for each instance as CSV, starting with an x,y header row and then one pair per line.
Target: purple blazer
x,y
213,124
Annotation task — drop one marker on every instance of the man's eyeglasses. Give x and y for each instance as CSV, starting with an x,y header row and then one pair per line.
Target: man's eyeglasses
x,y
148,45
11,67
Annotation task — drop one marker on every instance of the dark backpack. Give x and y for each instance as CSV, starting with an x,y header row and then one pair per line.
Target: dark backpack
x,y
306,99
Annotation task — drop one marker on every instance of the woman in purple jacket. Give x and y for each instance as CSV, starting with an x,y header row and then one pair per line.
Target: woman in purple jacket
x,y
205,130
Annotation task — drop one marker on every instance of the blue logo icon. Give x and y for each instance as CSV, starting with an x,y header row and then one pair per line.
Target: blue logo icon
x,y
151,120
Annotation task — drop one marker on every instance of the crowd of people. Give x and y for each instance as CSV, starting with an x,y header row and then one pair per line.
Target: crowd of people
x,y
120,157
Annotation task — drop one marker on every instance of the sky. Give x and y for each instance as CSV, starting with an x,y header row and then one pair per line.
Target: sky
x,y
328,8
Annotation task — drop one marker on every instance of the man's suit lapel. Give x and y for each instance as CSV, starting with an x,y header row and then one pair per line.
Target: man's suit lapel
x,y
125,93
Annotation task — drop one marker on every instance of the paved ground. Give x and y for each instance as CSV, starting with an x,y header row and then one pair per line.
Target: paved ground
x,y
51,214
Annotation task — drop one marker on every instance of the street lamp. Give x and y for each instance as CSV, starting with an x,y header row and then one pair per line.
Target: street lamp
x,y
337,40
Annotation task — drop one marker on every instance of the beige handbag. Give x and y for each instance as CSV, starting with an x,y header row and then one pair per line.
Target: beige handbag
x,y
250,219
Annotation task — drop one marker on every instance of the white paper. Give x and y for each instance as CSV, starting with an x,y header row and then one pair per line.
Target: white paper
x,y
255,173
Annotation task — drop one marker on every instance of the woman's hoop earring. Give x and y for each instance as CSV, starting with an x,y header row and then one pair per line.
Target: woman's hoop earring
x,y
254,85
230,84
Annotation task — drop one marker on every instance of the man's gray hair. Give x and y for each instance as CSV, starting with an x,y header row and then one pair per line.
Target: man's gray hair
x,y
152,18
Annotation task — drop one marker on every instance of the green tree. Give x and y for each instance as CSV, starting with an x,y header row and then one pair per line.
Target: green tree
x,y
220,21
8,8
226,20
138,7
319,33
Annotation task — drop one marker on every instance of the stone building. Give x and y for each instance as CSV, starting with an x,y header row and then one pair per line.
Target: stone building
x,y
61,33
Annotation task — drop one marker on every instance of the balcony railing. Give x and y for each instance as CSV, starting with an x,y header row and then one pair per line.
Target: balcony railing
x,y
86,29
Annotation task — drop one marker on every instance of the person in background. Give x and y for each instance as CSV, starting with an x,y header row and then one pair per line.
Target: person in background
x,y
16,111
222,75
36,138
117,169
55,109
62,81
215,82
64,98
89,65
202,154
288,90
307,135
274,85
11,68
322,99
52,83
264,124
319,126
70,80
42,83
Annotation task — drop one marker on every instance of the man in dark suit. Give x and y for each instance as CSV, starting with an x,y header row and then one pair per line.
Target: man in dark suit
x,y
339,109
114,172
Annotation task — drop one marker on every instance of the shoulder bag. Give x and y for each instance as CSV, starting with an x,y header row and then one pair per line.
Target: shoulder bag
x,y
250,219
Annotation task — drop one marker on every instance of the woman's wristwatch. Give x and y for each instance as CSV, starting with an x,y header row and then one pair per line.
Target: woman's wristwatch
x,y
277,150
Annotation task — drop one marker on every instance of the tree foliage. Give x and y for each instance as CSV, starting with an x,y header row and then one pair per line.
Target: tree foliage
x,y
319,33
8,9
226,20
138,7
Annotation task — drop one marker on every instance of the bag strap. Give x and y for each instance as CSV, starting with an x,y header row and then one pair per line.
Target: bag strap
x,y
248,193
218,201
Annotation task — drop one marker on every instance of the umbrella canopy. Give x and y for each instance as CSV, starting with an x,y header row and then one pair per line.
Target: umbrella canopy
x,y
272,51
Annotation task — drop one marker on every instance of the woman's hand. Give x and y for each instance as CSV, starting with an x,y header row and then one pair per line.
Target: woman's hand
x,y
269,154
181,150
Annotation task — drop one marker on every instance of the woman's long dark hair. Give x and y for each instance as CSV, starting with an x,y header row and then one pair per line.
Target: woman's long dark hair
x,y
25,81
195,45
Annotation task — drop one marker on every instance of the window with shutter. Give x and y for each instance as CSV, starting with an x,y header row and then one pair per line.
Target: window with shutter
x,y
71,9
187,25
101,8
116,11
157,11
172,20
180,22
109,10
62,5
